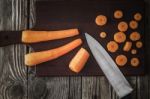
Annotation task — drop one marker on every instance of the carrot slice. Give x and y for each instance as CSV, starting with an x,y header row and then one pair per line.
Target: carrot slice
x,y
43,56
30,36
127,46
79,60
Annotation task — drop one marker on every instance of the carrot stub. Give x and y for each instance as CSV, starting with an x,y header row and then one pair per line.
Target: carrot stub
x,y
79,60
127,46
30,36
35,58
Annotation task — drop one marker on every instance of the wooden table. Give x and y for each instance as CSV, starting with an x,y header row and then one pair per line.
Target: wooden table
x,y
19,82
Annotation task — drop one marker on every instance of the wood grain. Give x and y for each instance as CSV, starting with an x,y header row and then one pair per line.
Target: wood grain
x,y
17,83
13,82
75,90
45,87
143,82
95,88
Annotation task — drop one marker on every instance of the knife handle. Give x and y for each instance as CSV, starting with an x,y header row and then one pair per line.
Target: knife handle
x,y
10,37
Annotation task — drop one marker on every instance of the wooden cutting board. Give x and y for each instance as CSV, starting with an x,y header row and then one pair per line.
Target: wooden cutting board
x,y
81,14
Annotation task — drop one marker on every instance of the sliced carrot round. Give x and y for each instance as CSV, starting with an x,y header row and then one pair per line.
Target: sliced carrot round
x,y
137,16
139,44
122,26
134,51
121,60
119,37
133,24
112,46
135,62
118,14
134,36
101,20
103,34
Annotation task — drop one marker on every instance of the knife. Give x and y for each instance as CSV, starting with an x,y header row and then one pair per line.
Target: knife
x,y
109,68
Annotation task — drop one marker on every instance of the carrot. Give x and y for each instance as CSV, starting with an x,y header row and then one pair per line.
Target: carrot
x,y
43,56
127,46
30,36
79,60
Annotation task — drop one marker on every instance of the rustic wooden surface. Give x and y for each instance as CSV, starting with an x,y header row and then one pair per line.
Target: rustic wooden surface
x,y
19,82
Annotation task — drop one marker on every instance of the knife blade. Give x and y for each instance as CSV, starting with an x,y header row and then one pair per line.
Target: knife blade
x,y
109,68
10,37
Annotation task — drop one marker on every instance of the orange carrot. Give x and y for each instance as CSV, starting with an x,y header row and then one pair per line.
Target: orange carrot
x,y
79,60
30,36
127,46
43,56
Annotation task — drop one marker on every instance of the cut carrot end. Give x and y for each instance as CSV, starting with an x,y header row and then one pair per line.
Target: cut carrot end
x,y
79,60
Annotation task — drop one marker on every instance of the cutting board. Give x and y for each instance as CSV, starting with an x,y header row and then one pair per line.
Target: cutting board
x,y
81,14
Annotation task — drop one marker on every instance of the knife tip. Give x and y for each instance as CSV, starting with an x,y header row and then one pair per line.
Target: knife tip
x,y
86,34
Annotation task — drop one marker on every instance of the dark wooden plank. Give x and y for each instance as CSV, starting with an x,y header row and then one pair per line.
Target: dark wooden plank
x,y
45,87
95,88
105,88
133,81
143,89
12,69
75,88
89,87
48,87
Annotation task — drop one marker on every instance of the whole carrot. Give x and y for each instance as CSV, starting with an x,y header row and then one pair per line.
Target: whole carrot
x,y
30,36
35,58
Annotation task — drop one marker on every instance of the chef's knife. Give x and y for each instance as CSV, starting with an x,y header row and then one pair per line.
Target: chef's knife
x,y
109,68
